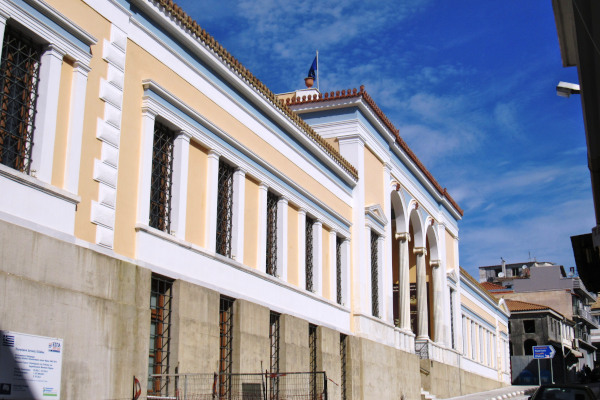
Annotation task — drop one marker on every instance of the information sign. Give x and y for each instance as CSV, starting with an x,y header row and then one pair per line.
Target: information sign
x,y
31,366
541,352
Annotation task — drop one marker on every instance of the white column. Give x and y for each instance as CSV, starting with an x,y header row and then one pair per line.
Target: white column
x,y
181,157
403,281
302,248
263,190
75,135
318,257
212,197
237,223
143,214
438,301
422,323
47,108
333,265
282,238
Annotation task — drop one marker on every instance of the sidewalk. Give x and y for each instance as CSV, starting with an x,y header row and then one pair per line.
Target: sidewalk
x,y
507,392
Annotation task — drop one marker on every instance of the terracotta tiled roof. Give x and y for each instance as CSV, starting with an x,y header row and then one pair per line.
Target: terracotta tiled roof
x,y
188,23
353,93
516,305
489,286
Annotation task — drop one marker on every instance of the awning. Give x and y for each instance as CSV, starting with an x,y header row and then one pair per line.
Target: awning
x,y
575,353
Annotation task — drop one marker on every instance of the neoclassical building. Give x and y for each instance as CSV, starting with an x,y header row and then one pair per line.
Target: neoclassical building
x,y
164,213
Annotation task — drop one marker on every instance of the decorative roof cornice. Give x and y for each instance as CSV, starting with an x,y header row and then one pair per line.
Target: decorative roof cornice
x,y
354,93
193,28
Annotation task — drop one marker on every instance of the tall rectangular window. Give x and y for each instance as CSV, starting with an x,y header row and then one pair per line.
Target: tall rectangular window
x,y
162,177
374,274
274,339
343,360
225,345
161,295
452,318
224,209
272,200
309,253
312,350
19,77
338,269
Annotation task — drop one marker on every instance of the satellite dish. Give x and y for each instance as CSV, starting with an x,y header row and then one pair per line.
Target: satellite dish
x,y
501,275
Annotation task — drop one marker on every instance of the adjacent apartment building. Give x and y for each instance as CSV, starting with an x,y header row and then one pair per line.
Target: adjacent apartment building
x,y
163,212
545,289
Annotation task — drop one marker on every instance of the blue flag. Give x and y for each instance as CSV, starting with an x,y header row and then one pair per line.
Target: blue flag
x,y
313,69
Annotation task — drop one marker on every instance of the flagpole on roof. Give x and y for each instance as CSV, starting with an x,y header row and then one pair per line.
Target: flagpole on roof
x,y
318,70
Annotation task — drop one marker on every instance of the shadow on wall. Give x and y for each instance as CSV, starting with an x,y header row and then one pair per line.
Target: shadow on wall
x,y
13,375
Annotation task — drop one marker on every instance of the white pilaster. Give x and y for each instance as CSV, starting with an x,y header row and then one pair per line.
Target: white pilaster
x,y
75,135
346,284
263,191
302,248
282,238
333,264
181,157
403,281
422,321
148,119
237,223
438,302
3,18
212,195
318,257
45,120
386,251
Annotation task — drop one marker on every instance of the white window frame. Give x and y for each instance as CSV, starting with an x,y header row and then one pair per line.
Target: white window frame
x,y
30,195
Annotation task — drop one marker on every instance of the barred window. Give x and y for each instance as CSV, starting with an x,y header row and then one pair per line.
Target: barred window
x,y
309,253
225,345
312,349
161,295
162,177
19,78
272,200
224,209
343,360
274,339
338,269
374,274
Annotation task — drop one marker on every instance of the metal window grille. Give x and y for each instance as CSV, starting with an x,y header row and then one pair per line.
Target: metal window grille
x,y
452,317
161,295
309,253
312,349
19,77
162,177
374,274
338,269
224,209
272,200
225,345
343,359
274,338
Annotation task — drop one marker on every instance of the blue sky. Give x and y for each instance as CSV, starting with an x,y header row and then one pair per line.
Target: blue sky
x,y
469,84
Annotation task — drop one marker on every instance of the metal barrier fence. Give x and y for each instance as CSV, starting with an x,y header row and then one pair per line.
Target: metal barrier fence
x,y
259,386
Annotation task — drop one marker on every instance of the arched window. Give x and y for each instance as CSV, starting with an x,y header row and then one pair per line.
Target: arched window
x,y
528,346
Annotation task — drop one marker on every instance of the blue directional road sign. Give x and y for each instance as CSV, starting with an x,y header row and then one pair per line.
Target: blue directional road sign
x,y
543,352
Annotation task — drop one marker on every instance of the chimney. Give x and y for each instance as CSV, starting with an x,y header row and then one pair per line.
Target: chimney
x,y
503,267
